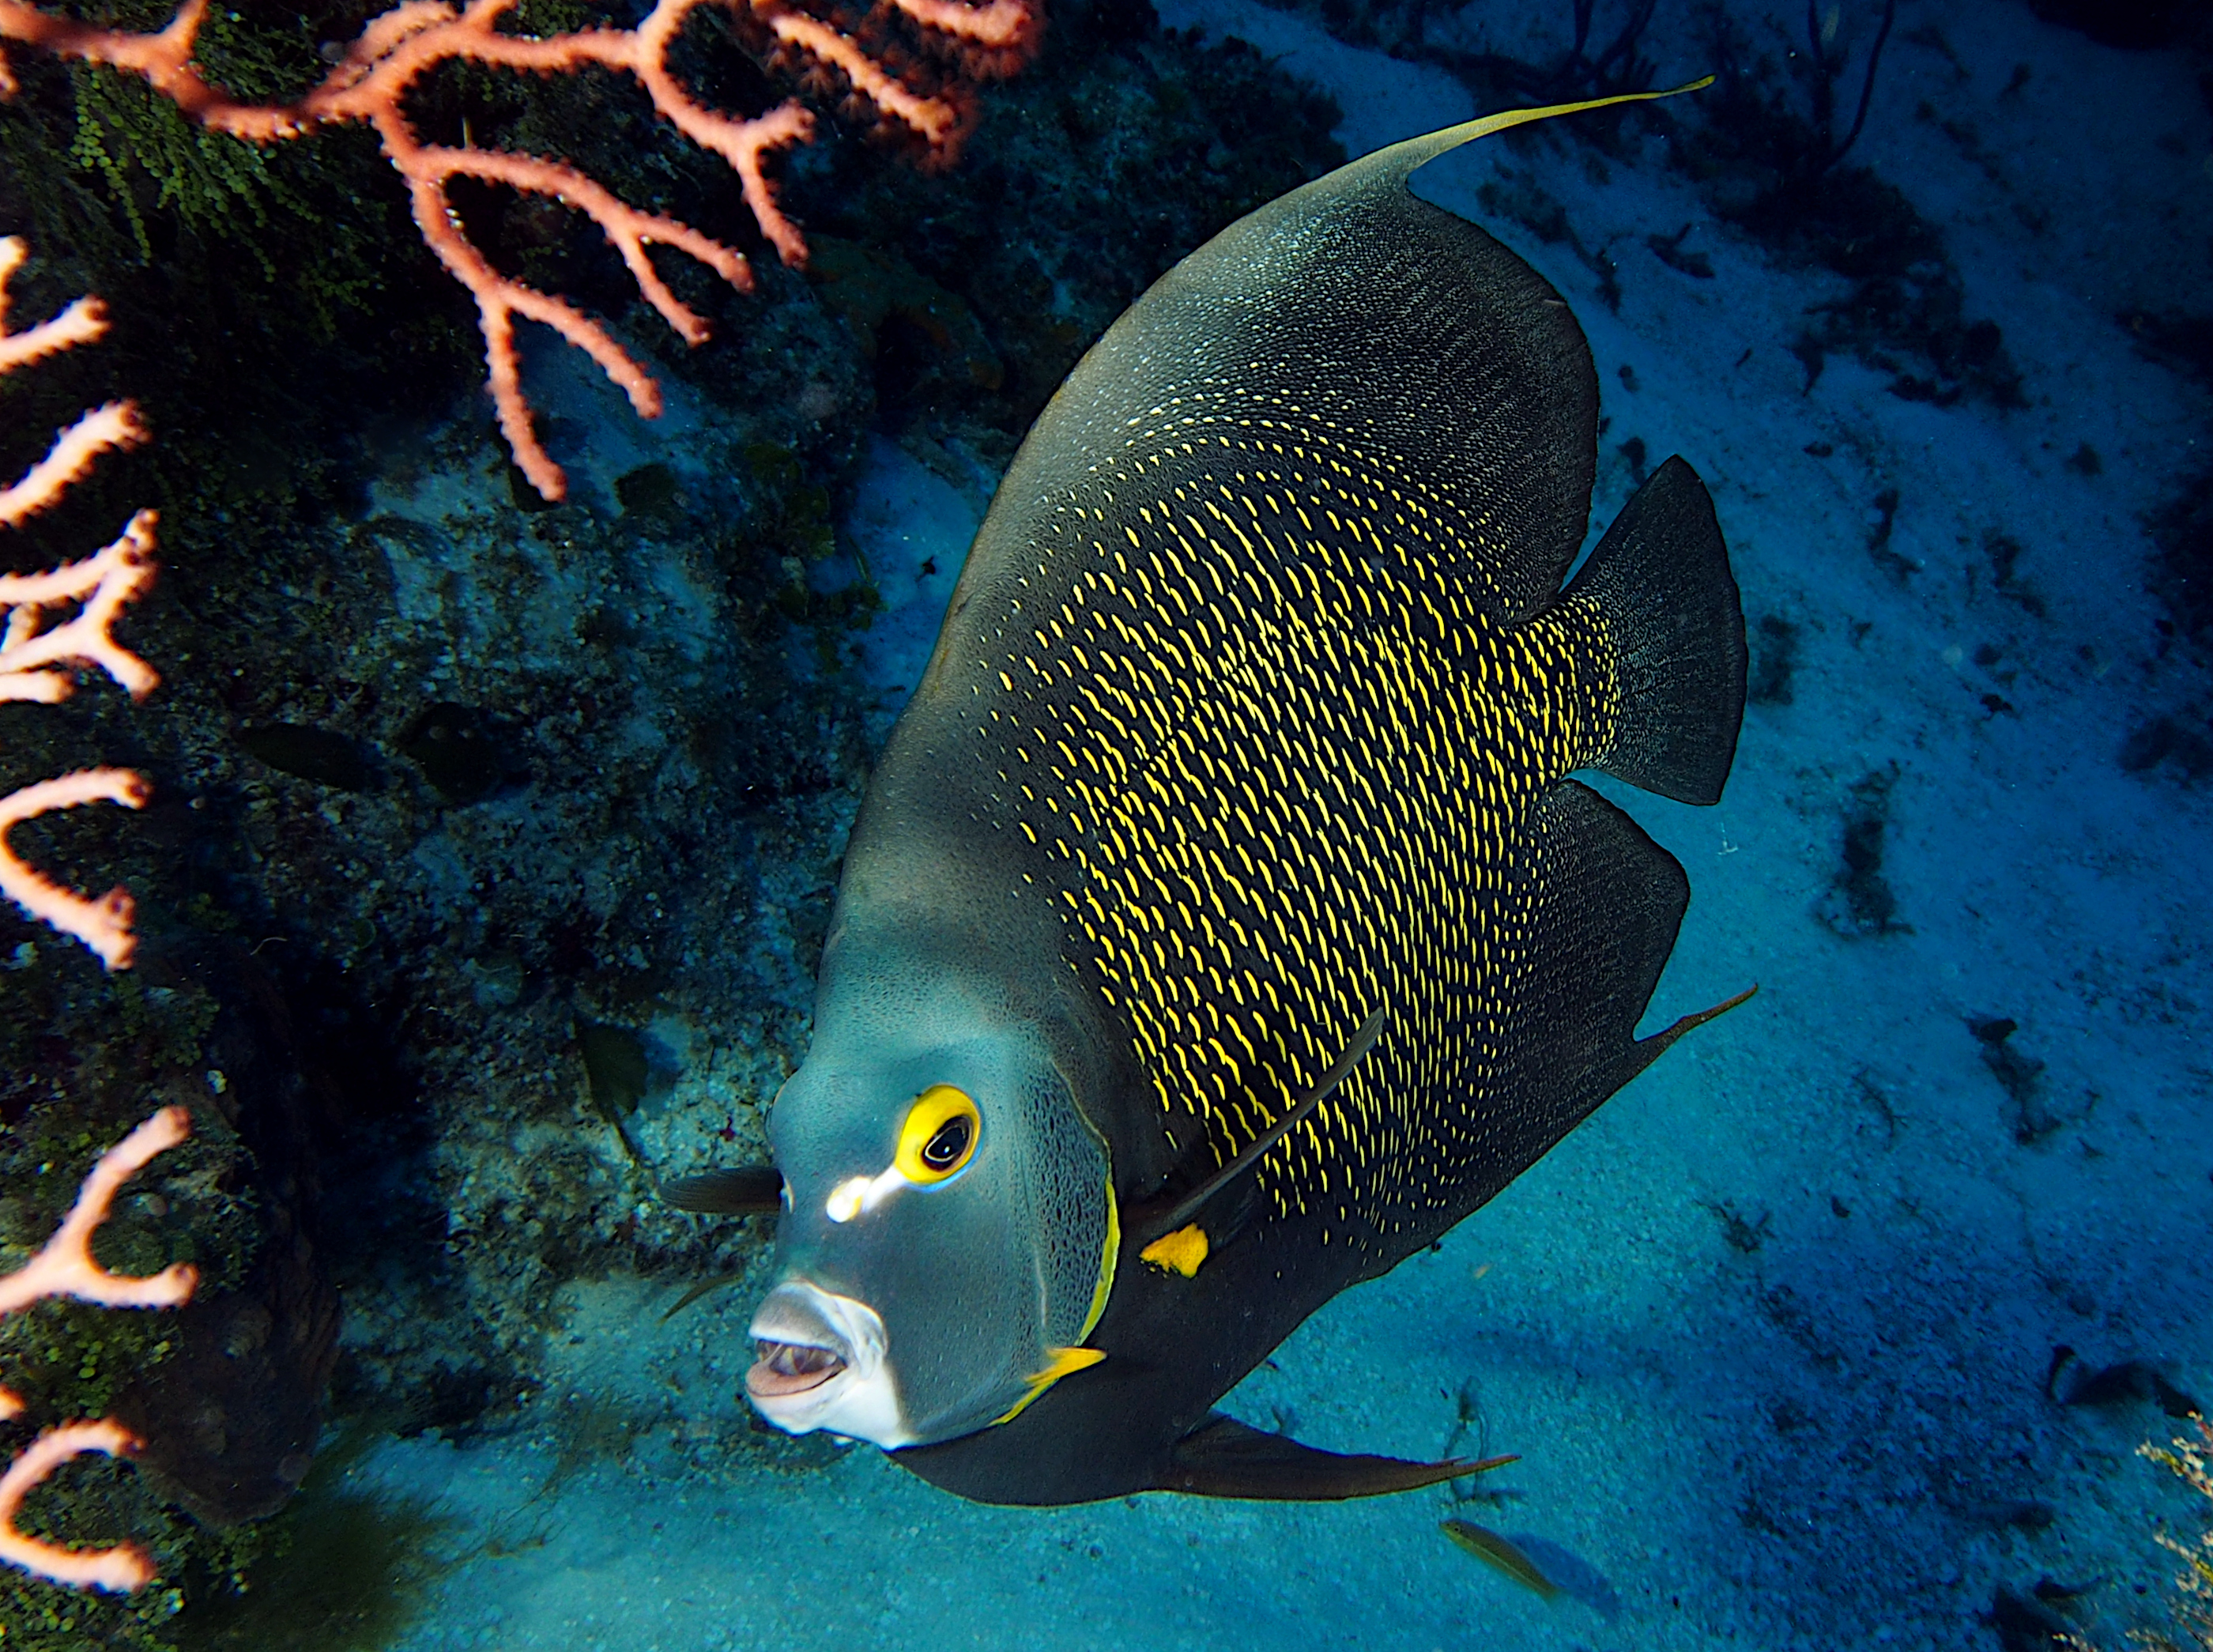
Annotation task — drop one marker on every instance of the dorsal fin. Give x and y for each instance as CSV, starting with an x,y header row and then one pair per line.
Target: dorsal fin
x,y
1354,319
1402,159
1506,395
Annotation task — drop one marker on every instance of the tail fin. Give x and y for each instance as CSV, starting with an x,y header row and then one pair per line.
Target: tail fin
x,y
1661,584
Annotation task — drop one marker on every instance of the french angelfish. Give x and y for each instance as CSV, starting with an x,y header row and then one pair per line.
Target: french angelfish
x,y
1221,926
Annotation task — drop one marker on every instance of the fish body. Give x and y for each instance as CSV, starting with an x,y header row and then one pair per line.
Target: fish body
x,y
1221,926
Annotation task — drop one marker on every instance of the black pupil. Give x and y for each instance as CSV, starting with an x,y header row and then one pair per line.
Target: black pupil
x,y
948,1145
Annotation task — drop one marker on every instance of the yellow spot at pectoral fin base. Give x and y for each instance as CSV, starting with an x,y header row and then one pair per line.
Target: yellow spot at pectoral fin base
x,y
1063,1361
1180,1252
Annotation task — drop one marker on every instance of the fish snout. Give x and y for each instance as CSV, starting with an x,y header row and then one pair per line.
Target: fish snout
x,y
798,1341
820,1364
790,1367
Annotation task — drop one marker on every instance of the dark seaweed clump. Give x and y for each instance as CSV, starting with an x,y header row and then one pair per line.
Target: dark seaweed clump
x,y
2182,527
1860,902
2004,553
2071,1382
2179,572
2168,740
1774,661
1887,556
1768,145
1740,1233
2022,1076
2182,567
1763,146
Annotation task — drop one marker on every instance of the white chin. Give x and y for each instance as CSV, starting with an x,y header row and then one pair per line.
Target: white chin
x,y
860,1399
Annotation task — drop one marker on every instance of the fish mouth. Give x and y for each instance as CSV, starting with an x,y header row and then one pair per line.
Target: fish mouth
x,y
781,1368
821,1364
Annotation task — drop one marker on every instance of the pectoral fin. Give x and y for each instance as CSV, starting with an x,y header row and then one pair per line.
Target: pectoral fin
x,y
1257,1149
1063,1360
1224,1458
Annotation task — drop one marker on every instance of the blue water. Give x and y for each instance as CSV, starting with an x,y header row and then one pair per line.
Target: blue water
x,y
1773,1334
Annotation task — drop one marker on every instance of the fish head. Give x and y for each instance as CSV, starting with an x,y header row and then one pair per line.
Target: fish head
x,y
948,1235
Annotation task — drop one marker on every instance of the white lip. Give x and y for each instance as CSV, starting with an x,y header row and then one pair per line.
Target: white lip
x,y
859,1399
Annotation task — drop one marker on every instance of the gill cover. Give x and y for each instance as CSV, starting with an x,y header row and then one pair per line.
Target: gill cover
x,y
942,1180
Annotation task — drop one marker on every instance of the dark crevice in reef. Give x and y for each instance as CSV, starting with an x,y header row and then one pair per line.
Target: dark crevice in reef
x,y
1762,146
1125,147
2132,25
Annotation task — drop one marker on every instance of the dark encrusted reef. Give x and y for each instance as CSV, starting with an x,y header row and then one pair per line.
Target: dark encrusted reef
x,y
479,823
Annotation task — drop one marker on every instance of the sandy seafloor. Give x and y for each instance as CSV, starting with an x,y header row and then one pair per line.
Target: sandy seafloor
x,y
1772,1331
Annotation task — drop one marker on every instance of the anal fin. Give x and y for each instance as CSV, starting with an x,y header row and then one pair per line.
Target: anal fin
x,y
1608,903
1224,1458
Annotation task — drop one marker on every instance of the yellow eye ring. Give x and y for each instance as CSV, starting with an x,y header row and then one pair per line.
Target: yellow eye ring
x,y
939,1137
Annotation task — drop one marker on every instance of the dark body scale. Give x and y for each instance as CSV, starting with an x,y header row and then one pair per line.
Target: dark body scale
x,y
1251,716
